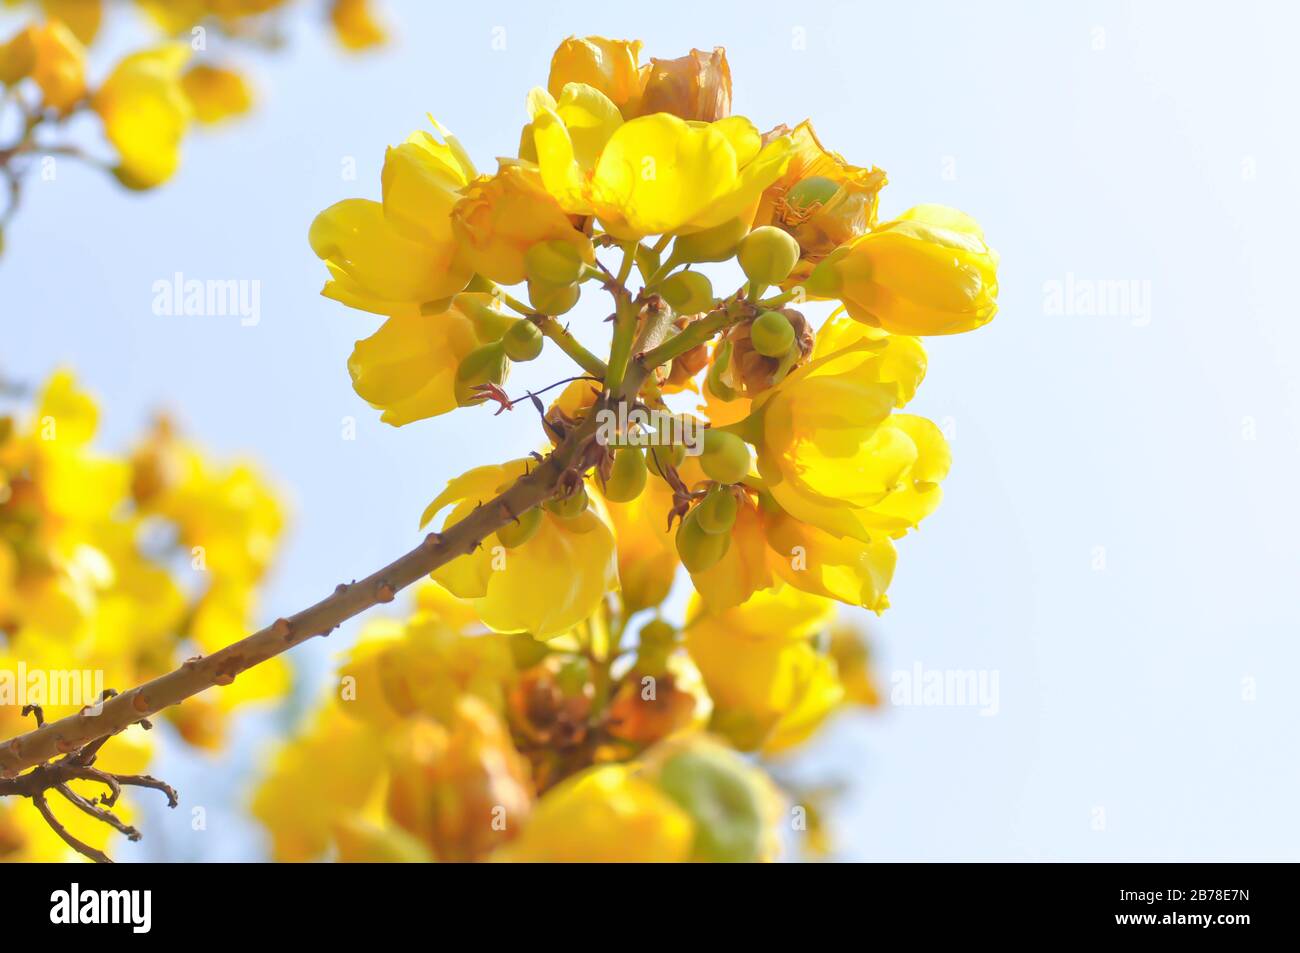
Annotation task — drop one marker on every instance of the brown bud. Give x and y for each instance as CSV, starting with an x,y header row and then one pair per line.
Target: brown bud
x,y
750,373
696,86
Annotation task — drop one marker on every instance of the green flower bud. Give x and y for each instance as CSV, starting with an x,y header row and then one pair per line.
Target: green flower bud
x,y
700,550
519,531
717,511
771,334
486,363
712,244
568,507
767,255
490,322
717,788
553,263
553,299
689,292
661,458
628,475
724,456
523,342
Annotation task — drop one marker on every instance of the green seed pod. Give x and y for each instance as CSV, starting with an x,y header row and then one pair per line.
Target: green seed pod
x,y
767,255
523,342
553,299
772,334
568,507
517,532
716,513
689,292
628,475
712,244
811,192
486,363
700,550
490,322
553,263
724,456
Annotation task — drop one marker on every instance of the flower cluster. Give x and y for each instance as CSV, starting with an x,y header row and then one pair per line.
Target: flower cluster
x,y
151,98
781,491
113,570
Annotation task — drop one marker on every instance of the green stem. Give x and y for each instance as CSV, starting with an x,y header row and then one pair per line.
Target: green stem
x,y
693,335
625,312
570,345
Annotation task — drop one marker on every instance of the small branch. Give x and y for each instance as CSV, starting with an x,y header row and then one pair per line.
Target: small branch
x,y
570,345
694,334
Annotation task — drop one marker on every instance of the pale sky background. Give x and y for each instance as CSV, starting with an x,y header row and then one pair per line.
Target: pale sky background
x,y
1117,541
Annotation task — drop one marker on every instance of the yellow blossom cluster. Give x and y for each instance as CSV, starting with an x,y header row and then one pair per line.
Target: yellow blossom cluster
x,y
151,98
113,570
781,492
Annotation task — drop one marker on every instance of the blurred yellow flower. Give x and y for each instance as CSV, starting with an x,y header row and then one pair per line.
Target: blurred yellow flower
x,y
355,24
145,113
216,93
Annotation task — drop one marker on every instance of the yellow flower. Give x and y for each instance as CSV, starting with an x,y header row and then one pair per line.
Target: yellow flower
x,y
610,66
820,199
82,17
854,572
606,814
927,272
355,24
696,86
770,687
399,256
18,56
59,68
216,93
339,762
145,113
656,174
647,558
408,367
421,667
743,569
502,216
463,790
544,586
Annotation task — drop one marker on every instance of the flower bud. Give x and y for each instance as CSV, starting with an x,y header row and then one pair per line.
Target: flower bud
x,y
771,334
569,507
717,512
695,87
662,458
552,299
725,457
700,550
519,531
732,802
712,244
523,342
628,475
767,255
804,197
553,263
689,292
490,322
485,364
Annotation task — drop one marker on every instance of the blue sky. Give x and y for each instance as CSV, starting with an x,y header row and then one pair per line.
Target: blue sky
x,y
1116,543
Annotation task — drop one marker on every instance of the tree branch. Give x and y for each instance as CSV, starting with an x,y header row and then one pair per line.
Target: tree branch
x,y
73,733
